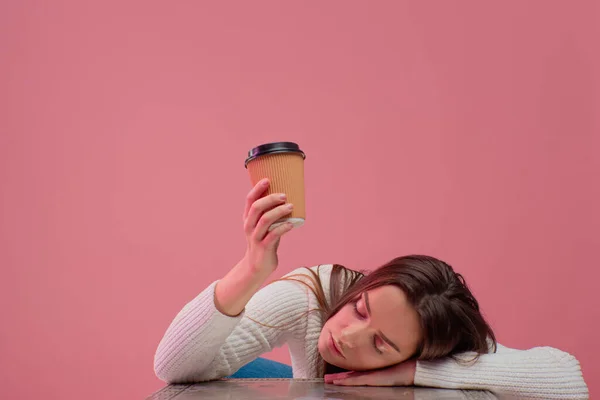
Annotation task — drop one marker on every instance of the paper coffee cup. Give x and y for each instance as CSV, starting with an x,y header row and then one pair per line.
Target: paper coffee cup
x,y
283,164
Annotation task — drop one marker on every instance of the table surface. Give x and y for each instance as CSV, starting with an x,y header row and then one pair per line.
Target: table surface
x,y
254,389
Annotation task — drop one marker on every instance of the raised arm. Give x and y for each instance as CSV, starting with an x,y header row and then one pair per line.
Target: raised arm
x,y
210,337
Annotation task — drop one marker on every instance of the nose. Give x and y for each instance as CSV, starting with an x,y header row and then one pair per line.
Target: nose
x,y
351,335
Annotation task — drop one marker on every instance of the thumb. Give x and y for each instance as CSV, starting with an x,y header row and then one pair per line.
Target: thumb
x,y
271,241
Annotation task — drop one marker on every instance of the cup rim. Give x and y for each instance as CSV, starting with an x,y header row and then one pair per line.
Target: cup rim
x,y
273,148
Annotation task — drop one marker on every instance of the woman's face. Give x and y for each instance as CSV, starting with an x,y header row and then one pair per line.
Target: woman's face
x,y
377,329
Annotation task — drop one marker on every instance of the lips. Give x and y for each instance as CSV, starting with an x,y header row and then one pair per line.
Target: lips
x,y
334,346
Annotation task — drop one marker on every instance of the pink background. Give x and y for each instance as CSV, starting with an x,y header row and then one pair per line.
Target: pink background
x,y
466,130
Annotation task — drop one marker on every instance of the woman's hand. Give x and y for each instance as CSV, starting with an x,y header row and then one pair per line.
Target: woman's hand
x,y
233,292
402,374
260,213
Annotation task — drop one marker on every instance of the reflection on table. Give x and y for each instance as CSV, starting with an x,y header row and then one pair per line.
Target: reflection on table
x,y
254,389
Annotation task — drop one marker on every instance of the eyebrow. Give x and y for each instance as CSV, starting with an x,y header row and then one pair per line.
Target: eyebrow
x,y
388,341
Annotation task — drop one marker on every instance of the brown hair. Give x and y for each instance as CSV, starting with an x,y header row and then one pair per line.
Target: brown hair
x,y
451,320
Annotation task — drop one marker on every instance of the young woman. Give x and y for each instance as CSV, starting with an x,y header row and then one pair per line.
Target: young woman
x,y
412,321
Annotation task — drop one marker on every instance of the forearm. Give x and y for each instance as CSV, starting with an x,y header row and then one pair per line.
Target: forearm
x,y
233,292
539,372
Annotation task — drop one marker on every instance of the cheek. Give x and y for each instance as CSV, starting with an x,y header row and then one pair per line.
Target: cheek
x,y
342,318
329,326
333,323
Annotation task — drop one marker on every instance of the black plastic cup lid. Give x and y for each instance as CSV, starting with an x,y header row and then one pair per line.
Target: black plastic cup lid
x,y
273,148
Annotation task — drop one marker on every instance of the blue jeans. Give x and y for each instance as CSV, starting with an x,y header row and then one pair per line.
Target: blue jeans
x,y
263,368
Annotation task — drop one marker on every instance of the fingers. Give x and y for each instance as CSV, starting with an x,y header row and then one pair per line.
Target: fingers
x,y
329,378
272,239
258,208
369,378
257,191
345,382
352,379
268,218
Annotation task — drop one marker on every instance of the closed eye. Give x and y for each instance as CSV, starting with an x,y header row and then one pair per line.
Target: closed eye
x,y
358,314
375,345
361,316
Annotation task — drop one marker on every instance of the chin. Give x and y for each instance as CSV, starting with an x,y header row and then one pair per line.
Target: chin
x,y
322,347
340,367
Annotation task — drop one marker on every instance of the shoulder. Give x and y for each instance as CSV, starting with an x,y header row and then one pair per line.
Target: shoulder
x,y
326,275
325,280
322,271
310,279
299,282
290,296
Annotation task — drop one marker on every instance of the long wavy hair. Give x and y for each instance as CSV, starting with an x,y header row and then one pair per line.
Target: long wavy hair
x,y
450,318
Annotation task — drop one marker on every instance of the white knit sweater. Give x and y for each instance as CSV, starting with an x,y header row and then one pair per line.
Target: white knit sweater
x,y
203,344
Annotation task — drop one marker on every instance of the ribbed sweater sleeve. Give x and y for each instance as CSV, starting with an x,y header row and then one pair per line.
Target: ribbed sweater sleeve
x,y
203,344
540,372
